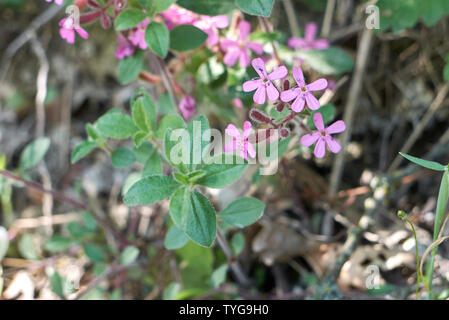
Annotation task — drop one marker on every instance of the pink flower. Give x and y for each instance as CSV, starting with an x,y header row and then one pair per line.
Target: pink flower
x,y
68,28
176,15
308,42
238,103
303,93
187,107
263,84
59,2
210,25
137,35
240,49
240,141
323,136
125,48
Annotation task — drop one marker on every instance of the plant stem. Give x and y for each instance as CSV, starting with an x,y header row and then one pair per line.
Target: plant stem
x,y
241,277
404,216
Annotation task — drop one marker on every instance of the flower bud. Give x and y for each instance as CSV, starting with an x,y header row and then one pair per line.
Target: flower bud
x,y
259,116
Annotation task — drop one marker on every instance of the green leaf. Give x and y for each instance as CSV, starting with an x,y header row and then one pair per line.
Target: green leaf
x,y
130,67
227,171
4,242
432,165
194,214
58,244
172,121
440,211
219,276
92,132
208,7
148,104
129,18
199,140
122,157
186,37
77,230
27,247
82,149
94,253
237,243
56,284
176,150
34,152
129,255
89,221
175,238
328,113
150,189
166,104
256,7
140,116
242,212
171,291
153,166
162,5
141,152
117,126
443,197
158,38
328,61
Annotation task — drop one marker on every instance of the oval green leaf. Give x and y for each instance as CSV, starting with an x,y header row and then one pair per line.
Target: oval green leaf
x,y
242,212
194,214
186,37
158,38
150,189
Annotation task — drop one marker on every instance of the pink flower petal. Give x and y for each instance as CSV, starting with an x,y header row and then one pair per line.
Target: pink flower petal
x,y
272,92
232,131
296,43
225,44
309,139
220,22
299,76
68,35
247,128
231,57
317,85
251,85
310,32
312,102
333,145
244,30
251,150
244,58
298,104
318,120
230,146
278,73
320,148
336,127
321,44
256,47
259,66
289,95
259,96
83,33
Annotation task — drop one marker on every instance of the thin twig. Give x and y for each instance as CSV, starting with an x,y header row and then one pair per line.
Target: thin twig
x,y
354,93
436,104
241,277
291,17
327,23
266,28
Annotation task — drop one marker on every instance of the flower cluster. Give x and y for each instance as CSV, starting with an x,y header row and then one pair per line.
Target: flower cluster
x,y
299,96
